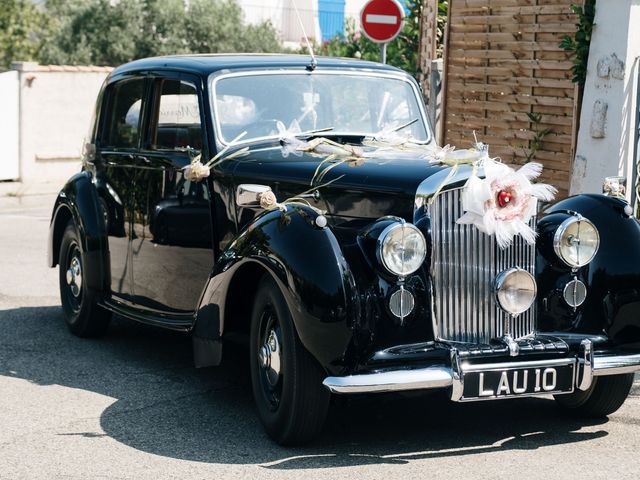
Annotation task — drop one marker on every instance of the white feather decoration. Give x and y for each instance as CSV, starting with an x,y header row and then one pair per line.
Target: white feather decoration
x,y
503,203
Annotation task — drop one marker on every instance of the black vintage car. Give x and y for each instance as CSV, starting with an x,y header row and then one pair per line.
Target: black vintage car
x,y
367,279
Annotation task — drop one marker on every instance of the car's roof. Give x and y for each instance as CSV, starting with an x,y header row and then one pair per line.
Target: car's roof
x,y
209,63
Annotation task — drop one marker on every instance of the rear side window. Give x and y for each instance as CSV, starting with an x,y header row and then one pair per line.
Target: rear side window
x,y
177,117
124,114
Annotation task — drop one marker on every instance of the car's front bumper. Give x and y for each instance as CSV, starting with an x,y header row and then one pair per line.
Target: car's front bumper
x,y
587,364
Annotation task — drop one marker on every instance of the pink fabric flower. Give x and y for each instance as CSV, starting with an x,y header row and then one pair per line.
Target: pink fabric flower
x,y
482,209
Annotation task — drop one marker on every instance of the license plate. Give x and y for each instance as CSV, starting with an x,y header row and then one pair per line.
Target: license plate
x,y
496,381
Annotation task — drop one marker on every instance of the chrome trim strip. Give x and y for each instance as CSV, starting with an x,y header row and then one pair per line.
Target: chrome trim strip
x,y
215,77
429,186
427,378
484,367
391,381
616,364
453,376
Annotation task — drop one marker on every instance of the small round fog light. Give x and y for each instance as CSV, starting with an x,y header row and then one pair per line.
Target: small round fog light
x,y
575,293
515,290
401,303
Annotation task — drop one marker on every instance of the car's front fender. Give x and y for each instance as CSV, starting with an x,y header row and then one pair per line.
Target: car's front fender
x,y
307,263
612,279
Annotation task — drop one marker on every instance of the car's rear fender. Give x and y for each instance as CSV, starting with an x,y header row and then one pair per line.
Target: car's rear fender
x,y
78,201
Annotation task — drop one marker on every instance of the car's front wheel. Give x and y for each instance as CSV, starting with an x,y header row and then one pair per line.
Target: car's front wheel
x,y
287,382
605,396
83,315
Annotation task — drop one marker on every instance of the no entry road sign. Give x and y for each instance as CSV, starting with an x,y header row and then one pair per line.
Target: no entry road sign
x,y
381,20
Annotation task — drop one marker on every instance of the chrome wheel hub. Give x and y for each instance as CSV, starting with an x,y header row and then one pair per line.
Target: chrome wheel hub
x,y
74,276
269,358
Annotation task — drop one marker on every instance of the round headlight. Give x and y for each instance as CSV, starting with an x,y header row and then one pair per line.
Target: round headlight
x,y
576,241
401,248
516,290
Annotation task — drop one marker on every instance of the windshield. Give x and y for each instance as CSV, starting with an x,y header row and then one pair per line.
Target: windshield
x,y
348,104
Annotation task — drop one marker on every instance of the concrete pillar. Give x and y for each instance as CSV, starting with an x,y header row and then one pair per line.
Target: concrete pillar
x,y
608,129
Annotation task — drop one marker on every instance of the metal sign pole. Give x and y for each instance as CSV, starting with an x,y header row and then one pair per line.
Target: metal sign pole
x,y
383,53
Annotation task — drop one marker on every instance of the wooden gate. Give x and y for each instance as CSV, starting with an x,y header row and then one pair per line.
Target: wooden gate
x,y
502,64
9,125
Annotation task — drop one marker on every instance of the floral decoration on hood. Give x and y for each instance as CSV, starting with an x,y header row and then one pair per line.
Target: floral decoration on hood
x,y
503,203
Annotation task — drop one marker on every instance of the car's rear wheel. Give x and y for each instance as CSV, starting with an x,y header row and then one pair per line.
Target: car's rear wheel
x,y
605,396
83,315
287,382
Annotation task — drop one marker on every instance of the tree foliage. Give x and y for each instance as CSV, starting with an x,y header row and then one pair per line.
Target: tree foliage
x,y
111,32
22,26
107,32
579,45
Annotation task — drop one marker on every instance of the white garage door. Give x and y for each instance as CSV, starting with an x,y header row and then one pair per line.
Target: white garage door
x,y
9,125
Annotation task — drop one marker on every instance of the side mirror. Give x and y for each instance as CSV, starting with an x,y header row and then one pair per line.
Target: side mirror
x,y
247,194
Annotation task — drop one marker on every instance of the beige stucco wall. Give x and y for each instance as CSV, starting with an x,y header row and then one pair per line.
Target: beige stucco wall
x,y
56,106
606,142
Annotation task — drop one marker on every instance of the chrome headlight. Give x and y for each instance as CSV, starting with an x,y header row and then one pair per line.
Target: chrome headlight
x,y
576,241
401,248
515,290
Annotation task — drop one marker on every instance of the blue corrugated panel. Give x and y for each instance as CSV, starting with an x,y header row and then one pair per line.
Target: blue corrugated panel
x,y
331,18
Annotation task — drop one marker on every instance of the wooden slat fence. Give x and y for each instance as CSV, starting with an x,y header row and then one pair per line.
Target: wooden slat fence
x,y
502,61
428,46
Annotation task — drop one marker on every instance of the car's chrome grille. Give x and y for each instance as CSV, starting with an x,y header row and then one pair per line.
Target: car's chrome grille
x,y
464,264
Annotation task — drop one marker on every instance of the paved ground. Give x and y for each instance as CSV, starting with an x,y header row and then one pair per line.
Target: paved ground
x,y
132,406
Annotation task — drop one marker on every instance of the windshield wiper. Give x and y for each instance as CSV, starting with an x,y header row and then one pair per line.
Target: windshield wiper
x,y
408,124
313,133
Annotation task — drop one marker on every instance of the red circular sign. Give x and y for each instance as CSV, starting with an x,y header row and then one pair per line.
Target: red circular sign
x,y
381,20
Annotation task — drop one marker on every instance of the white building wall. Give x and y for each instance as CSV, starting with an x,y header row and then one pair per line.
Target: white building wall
x,y
9,119
282,15
56,107
352,9
607,121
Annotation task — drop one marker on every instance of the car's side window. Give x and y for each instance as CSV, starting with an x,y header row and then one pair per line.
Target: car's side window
x,y
123,120
176,123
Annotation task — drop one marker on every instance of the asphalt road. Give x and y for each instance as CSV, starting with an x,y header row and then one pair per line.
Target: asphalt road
x,y
131,405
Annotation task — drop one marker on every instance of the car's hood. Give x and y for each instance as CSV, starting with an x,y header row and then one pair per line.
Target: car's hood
x,y
381,184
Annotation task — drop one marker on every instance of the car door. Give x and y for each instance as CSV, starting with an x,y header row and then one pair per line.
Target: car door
x,y
172,254
117,146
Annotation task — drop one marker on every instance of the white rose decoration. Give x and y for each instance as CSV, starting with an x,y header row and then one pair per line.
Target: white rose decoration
x,y
268,200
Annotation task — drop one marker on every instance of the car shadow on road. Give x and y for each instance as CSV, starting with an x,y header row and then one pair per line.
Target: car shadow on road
x,y
164,406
